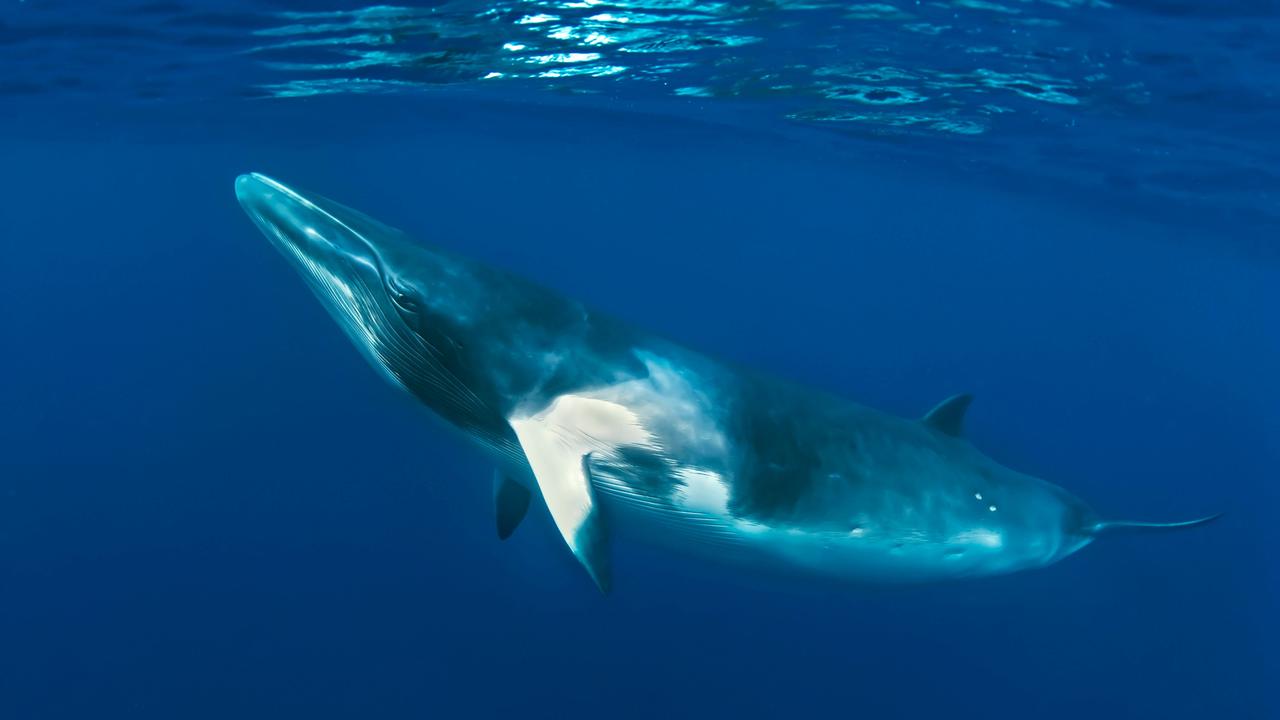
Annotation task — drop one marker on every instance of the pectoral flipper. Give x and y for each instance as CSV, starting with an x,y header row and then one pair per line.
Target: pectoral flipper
x,y
510,503
558,443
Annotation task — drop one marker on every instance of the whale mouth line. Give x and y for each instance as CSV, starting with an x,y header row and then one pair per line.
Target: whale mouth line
x,y
300,223
340,265
244,185
344,258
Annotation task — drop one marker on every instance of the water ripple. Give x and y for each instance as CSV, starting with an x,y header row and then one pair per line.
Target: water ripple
x,y
1187,90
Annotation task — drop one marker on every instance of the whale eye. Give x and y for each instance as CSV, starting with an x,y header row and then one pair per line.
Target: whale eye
x,y
402,298
404,301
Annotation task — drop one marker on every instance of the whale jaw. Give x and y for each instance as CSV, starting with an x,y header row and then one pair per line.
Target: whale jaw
x,y
378,285
341,255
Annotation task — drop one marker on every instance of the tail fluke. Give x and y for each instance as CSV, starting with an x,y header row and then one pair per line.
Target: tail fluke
x,y
1141,526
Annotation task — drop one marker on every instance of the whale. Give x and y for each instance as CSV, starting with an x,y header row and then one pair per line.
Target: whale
x,y
621,434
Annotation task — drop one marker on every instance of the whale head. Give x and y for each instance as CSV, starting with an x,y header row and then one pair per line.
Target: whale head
x,y
402,304
353,264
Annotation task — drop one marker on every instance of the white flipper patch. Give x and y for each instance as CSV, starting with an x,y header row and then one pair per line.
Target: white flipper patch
x,y
558,443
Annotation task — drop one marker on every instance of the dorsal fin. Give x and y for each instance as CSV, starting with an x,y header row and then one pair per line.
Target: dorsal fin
x,y
948,416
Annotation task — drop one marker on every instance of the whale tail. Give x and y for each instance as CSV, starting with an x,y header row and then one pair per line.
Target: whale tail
x,y
1142,526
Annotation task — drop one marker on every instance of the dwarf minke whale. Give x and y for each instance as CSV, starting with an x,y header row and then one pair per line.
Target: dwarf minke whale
x,y
620,433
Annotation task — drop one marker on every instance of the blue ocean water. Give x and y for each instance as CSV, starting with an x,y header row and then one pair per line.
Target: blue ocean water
x,y
211,507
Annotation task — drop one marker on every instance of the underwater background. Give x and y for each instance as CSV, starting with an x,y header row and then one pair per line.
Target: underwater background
x,y
210,507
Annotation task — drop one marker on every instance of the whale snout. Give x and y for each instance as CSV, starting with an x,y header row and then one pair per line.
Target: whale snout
x,y
278,211
343,257
305,229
